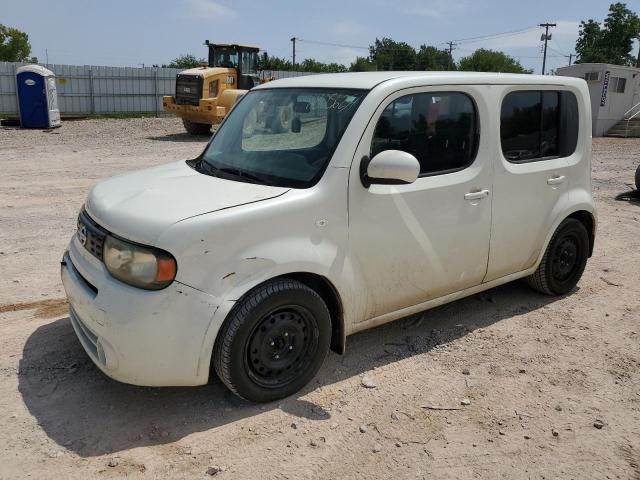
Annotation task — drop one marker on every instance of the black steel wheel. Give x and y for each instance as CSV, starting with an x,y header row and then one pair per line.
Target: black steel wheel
x,y
282,346
564,260
273,342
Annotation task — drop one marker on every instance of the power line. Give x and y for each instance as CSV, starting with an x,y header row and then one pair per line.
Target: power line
x,y
494,35
460,40
329,44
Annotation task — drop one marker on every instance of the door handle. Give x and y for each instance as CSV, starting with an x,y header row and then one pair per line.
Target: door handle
x,y
479,195
557,180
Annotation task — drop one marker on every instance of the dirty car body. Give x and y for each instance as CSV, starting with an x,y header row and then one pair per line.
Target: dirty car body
x,y
331,204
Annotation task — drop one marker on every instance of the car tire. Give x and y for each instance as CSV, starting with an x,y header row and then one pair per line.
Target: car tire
x,y
564,260
273,342
196,128
638,178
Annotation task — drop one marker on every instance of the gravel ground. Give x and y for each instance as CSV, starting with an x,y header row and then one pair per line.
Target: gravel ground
x,y
550,385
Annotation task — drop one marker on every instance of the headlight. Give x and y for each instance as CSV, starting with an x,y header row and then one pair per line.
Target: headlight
x,y
143,267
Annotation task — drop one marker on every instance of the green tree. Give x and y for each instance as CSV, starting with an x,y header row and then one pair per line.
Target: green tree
x,y
310,65
265,62
611,41
432,58
15,46
186,61
362,64
387,54
483,60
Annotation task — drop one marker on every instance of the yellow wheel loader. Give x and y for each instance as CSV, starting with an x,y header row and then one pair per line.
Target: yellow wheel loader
x,y
204,95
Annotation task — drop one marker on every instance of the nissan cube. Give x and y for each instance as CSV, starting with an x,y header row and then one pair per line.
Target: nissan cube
x,y
325,205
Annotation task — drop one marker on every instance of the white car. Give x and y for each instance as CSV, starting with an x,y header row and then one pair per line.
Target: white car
x,y
325,205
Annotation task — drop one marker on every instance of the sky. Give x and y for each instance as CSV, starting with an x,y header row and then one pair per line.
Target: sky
x,y
137,32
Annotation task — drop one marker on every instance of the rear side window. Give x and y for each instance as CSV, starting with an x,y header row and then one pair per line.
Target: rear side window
x,y
439,129
538,124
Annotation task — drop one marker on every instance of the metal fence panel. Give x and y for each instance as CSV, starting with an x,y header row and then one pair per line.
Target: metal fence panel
x,y
87,89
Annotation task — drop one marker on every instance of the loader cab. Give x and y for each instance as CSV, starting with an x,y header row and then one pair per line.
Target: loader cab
x,y
242,58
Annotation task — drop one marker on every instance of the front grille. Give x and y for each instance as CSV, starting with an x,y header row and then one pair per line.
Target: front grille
x,y
91,235
188,89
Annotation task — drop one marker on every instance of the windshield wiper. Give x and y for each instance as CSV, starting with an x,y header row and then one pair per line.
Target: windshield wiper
x,y
241,174
208,169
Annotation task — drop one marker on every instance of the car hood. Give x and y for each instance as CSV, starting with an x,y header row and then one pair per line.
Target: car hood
x,y
140,206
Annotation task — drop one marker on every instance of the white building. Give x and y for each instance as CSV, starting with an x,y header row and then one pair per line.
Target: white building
x,y
614,90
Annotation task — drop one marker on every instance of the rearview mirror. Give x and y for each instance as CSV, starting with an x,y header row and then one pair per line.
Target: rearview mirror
x,y
391,167
302,107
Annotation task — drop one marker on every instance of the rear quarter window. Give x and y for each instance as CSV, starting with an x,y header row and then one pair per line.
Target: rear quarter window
x,y
538,124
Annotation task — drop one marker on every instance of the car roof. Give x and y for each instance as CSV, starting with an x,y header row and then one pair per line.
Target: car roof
x,y
368,80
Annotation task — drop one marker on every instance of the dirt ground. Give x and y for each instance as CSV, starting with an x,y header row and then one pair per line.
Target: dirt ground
x,y
541,374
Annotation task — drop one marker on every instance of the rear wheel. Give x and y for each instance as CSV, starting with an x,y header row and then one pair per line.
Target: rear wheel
x,y
196,128
273,342
564,260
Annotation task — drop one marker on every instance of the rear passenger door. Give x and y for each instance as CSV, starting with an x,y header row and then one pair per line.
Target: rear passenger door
x,y
412,243
538,131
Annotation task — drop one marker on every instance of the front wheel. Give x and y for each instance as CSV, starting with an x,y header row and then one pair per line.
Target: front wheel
x,y
196,128
638,178
564,260
274,341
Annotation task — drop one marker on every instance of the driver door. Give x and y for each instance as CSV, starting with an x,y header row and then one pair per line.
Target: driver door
x,y
413,243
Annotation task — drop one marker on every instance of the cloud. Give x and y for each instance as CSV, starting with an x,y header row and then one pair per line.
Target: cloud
x,y
208,9
347,28
434,8
347,55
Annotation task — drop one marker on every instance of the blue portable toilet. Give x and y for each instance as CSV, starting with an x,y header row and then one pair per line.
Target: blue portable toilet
x,y
37,97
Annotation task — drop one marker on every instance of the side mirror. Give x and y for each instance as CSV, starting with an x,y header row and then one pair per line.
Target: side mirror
x,y
390,167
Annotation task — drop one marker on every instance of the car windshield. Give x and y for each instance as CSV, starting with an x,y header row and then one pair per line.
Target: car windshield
x,y
281,136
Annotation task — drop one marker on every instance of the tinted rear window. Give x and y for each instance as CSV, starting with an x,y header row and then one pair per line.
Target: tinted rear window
x,y
536,125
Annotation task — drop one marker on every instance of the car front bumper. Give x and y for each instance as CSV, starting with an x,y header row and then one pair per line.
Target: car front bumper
x,y
141,337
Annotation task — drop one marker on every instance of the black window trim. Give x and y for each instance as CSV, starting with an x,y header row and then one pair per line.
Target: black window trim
x,y
477,137
541,91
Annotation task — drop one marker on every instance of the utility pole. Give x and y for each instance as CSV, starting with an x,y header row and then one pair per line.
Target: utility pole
x,y
545,37
570,56
293,40
451,47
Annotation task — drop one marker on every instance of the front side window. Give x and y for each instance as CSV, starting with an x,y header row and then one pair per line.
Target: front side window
x,y
281,136
439,129
538,124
